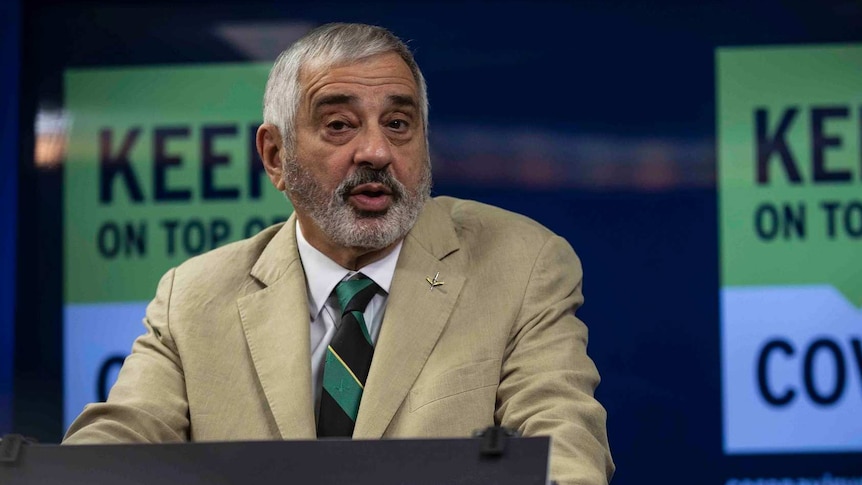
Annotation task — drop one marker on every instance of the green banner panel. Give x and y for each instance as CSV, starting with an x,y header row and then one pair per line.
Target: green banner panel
x,y
790,166
790,173
161,166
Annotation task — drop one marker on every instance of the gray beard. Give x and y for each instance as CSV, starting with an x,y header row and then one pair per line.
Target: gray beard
x,y
345,225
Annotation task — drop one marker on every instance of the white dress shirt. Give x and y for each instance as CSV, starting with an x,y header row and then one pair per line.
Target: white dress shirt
x,y
322,274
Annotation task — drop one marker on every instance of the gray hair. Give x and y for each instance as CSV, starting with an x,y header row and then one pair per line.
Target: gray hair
x,y
322,48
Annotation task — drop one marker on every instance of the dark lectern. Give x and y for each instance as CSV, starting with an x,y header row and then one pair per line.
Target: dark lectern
x,y
496,459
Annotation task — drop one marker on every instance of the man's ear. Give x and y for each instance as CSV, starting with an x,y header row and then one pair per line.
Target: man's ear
x,y
269,147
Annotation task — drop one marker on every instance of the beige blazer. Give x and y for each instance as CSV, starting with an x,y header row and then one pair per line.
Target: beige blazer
x,y
227,356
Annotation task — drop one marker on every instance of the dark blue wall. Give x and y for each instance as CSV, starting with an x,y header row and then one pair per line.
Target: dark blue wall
x,y
615,100
9,66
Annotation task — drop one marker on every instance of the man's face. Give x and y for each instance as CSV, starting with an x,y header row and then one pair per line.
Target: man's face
x,y
359,174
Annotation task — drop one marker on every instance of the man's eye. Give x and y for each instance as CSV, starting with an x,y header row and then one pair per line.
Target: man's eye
x,y
337,125
397,125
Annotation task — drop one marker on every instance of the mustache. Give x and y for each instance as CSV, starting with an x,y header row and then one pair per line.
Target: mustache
x,y
367,175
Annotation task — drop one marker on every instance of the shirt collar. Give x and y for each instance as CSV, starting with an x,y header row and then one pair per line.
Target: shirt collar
x,y
322,273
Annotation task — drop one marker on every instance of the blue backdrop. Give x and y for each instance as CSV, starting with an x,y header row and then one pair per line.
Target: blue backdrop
x,y
9,64
595,118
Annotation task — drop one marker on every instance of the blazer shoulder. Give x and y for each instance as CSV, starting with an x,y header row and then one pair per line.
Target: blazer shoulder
x,y
226,265
482,223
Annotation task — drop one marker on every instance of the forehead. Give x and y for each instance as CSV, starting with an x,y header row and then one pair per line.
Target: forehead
x,y
386,73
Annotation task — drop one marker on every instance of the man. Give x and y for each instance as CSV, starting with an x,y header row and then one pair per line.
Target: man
x,y
467,312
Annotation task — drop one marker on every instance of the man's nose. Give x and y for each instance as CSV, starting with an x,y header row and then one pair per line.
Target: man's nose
x,y
373,148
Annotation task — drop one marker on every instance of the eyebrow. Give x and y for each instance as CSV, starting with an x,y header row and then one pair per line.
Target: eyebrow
x,y
402,100
337,99
333,99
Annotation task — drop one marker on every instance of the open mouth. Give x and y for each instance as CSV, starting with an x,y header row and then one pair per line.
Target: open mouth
x,y
373,197
372,189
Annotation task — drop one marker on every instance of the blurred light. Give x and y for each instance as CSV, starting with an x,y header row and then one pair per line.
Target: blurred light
x,y
52,137
262,41
532,157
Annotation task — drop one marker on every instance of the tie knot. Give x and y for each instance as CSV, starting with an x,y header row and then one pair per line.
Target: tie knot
x,y
355,293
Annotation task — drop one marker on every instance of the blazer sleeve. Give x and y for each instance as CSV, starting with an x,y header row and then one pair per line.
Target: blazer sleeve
x,y
547,380
148,402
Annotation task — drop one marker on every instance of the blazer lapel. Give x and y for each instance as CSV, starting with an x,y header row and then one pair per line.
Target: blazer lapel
x,y
276,325
415,317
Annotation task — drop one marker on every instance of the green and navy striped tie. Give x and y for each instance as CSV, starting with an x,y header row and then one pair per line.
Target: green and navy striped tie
x,y
348,359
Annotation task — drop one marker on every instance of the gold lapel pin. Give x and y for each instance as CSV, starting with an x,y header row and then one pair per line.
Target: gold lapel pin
x,y
434,282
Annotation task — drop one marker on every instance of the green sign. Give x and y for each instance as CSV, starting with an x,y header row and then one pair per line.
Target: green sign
x,y
161,166
790,166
